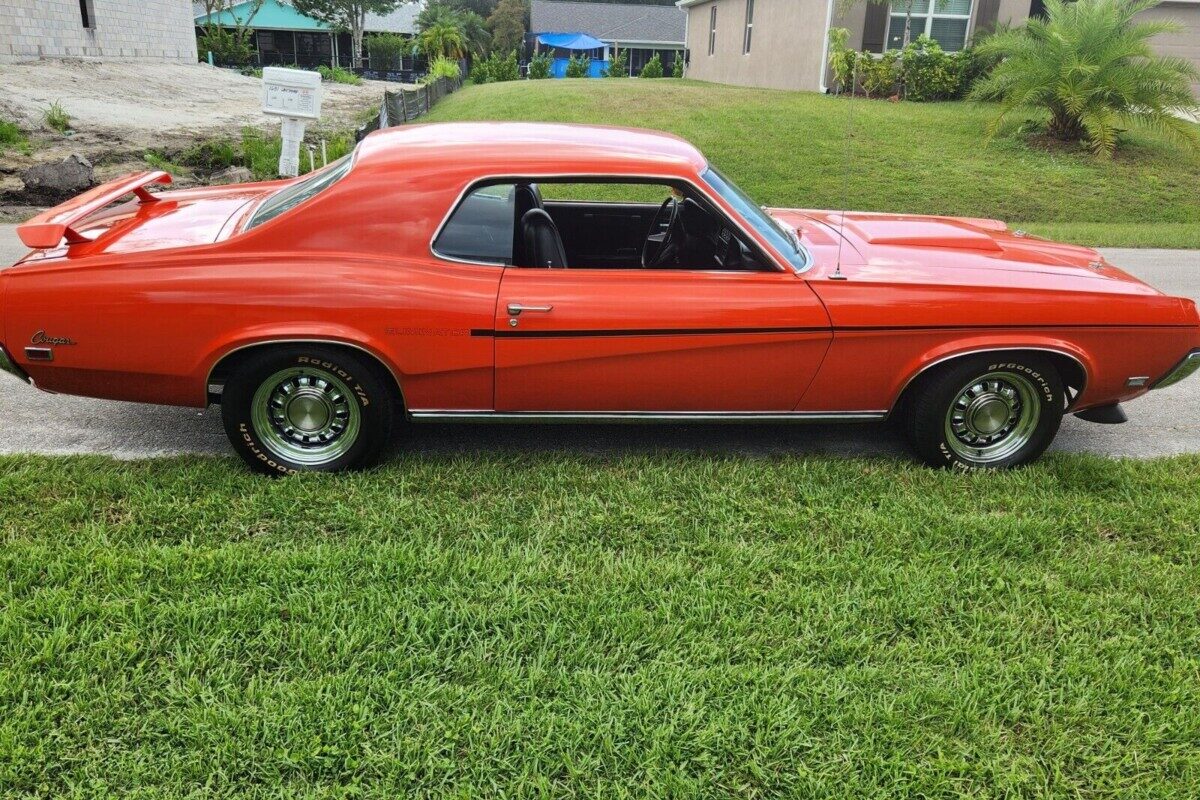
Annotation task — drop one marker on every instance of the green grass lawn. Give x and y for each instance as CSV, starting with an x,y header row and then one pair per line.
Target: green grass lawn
x,y
633,625
808,150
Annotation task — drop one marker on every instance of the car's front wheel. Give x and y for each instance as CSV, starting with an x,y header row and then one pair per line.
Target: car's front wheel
x,y
302,408
991,411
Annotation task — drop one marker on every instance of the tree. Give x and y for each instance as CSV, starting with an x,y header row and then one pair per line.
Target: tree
x,y
442,39
471,27
653,67
618,64
347,15
227,44
508,23
1092,67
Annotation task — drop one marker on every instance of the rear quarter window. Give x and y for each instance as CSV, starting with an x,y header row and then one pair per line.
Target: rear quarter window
x,y
291,196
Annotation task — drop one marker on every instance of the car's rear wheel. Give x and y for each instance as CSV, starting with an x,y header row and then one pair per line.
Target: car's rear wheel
x,y
986,411
299,408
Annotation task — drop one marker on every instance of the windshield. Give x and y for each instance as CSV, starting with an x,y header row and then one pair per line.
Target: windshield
x,y
289,197
781,238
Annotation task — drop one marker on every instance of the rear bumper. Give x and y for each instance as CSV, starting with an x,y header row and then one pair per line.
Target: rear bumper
x,y
10,366
1187,365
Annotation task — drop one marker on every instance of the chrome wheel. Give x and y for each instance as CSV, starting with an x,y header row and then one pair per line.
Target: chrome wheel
x,y
305,415
992,417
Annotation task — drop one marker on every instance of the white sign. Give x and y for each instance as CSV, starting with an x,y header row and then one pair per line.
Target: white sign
x,y
294,95
291,93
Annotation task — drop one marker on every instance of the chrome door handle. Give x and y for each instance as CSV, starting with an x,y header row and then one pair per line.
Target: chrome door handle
x,y
516,308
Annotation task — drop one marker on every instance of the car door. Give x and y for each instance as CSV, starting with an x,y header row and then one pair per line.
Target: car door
x,y
636,340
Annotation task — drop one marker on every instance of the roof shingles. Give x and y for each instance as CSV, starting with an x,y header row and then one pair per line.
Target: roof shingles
x,y
612,22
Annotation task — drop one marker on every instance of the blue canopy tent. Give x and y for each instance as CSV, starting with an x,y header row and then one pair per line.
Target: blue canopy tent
x,y
564,45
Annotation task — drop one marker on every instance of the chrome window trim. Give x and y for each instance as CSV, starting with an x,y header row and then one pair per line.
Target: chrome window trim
x,y
773,258
1086,375
646,416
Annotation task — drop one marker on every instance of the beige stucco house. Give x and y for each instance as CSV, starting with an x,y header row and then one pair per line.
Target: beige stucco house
x,y
782,44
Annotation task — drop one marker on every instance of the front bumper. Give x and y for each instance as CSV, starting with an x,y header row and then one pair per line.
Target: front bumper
x,y
1189,364
10,366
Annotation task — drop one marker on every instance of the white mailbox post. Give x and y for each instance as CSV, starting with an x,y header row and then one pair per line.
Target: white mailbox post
x,y
294,95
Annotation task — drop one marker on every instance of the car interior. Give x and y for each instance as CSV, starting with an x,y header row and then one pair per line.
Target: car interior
x,y
594,225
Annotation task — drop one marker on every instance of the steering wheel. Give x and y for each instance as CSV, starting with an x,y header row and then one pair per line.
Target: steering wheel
x,y
659,248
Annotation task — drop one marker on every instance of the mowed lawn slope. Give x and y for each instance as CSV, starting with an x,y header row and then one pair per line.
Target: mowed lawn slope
x,y
801,149
562,626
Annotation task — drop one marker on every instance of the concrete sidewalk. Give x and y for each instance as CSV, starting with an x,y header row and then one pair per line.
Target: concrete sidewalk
x,y
1164,423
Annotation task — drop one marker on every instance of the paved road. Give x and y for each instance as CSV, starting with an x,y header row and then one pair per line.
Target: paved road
x,y
1164,423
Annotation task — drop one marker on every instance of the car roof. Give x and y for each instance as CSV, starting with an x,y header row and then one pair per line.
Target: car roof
x,y
552,145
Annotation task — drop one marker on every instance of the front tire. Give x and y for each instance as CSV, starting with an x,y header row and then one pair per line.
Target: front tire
x,y
301,408
991,411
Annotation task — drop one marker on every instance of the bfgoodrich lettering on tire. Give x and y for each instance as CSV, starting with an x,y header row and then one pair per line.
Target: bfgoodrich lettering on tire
x,y
299,408
986,411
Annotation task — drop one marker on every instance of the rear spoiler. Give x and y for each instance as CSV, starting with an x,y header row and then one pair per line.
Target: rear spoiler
x,y
50,227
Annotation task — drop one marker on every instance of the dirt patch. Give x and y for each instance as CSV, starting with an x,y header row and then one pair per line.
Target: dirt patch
x,y
119,110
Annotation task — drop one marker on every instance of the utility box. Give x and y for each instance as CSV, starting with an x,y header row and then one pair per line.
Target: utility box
x,y
295,96
294,93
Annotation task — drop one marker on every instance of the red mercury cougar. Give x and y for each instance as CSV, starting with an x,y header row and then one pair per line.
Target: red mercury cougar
x,y
533,273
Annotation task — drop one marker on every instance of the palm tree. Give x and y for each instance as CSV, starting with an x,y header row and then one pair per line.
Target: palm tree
x,y
442,39
1092,67
475,33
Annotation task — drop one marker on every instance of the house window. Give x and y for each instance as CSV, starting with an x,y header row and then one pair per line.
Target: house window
x,y
712,31
749,26
87,13
947,24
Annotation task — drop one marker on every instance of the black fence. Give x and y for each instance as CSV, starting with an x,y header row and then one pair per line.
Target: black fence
x,y
406,105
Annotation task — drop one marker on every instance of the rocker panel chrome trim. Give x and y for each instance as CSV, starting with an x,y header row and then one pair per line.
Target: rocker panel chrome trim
x,y
646,416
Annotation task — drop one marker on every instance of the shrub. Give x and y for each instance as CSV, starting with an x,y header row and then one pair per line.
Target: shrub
x,y
653,68
1091,66
227,48
539,67
442,67
841,60
387,51
339,75
578,67
56,117
677,66
879,75
505,68
618,64
928,72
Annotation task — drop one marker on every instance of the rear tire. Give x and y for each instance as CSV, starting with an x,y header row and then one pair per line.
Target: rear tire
x,y
308,408
991,411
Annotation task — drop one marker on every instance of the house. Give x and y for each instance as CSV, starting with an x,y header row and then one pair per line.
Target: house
x,y
149,30
639,30
783,44
282,35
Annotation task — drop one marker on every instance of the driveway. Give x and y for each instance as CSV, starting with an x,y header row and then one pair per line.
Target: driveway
x,y
1164,423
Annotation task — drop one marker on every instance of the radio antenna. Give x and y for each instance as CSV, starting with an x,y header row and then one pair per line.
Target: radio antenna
x,y
850,102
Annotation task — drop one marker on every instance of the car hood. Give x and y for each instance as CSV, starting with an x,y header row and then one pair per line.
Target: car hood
x,y
925,247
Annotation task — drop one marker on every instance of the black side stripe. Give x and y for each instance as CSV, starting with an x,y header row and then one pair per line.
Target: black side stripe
x,y
636,332
608,332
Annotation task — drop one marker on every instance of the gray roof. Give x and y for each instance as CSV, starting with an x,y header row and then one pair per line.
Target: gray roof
x,y
610,22
402,20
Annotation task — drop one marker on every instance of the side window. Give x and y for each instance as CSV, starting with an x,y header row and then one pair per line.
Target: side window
x,y
481,227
